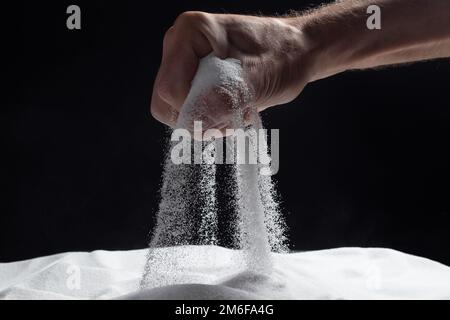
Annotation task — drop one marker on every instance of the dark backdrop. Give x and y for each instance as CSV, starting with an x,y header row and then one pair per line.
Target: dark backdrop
x,y
364,155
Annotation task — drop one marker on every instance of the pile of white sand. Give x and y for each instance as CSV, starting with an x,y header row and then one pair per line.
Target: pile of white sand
x,y
346,273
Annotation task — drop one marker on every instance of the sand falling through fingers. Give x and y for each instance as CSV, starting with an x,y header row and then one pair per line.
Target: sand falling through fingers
x,y
189,210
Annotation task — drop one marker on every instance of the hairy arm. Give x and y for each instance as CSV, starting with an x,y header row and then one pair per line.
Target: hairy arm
x,y
411,30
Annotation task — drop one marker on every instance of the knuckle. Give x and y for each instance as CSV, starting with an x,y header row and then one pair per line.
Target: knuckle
x,y
155,112
166,91
168,36
190,18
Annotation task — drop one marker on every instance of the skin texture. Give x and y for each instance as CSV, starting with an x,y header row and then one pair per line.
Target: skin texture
x,y
280,56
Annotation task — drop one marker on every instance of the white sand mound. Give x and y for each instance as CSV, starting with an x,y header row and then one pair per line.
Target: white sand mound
x,y
211,273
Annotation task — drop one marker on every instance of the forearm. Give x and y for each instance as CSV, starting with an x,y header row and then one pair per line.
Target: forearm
x,y
411,30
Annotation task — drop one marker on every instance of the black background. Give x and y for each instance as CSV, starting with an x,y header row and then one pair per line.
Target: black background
x,y
364,155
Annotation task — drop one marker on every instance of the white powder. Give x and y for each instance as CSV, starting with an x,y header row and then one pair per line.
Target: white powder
x,y
187,211
224,79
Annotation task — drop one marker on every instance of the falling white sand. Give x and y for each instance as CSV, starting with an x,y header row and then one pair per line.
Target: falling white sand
x,y
218,94
345,273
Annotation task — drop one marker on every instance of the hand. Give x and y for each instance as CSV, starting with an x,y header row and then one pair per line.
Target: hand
x,y
273,53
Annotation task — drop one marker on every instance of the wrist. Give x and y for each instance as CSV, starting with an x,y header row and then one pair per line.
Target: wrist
x,y
335,41
325,47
